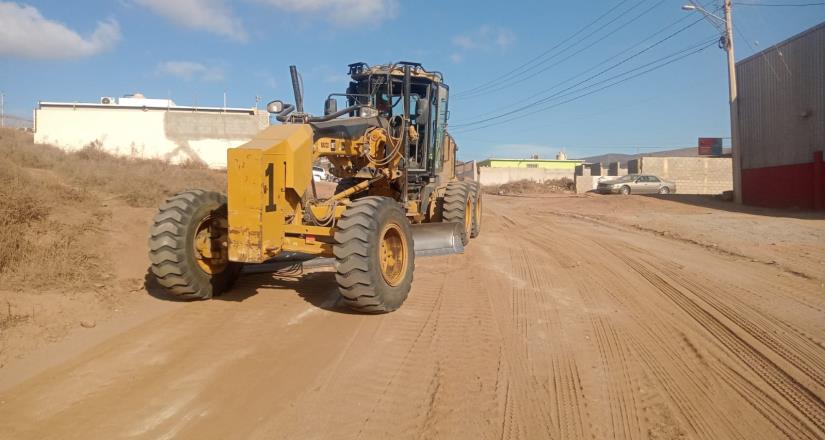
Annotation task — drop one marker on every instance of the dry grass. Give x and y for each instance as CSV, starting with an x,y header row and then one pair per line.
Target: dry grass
x,y
139,182
559,186
52,208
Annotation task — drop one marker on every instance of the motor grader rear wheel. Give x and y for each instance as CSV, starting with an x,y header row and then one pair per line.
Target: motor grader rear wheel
x,y
476,228
188,246
374,255
459,200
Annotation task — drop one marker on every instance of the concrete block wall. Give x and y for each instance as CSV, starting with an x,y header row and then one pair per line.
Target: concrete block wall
x,y
588,183
616,169
633,166
467,170
692,175
500,176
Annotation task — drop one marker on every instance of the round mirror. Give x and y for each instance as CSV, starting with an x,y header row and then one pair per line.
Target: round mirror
x,y
275,107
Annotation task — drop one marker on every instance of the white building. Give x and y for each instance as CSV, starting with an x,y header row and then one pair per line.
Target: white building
x,y
136,126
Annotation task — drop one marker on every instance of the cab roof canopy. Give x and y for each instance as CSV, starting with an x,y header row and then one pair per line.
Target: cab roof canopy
x,y
359,71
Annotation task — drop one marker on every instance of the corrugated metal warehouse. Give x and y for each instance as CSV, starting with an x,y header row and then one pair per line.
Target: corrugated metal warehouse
x,y
782,123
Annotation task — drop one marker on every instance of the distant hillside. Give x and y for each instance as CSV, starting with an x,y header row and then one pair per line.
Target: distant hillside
x,y
618,157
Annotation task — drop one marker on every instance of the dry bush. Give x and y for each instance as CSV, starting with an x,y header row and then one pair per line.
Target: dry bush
x,y
139,182
51,211
559,186
36,248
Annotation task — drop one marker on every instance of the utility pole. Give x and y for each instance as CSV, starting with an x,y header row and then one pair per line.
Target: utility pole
x,y
727,40
735,147
2,110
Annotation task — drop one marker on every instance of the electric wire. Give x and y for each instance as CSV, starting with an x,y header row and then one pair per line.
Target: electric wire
x,y
539,56
509,84
607,86
545,99
596,66
779,5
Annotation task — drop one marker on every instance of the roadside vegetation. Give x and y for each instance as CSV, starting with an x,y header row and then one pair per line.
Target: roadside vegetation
x,y
54,205
556,186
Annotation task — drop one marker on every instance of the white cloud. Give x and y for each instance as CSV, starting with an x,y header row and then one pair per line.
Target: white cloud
x,y
486,37
341,12
25,33
189,70
210,15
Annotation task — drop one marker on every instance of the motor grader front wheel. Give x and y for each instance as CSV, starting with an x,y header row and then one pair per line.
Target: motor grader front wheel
x,y
188,246
374,255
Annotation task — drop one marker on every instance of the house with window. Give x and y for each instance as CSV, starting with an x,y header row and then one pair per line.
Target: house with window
x,y
548,164
501,171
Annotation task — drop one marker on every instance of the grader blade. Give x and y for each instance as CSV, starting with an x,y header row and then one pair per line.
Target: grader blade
x,y
432,239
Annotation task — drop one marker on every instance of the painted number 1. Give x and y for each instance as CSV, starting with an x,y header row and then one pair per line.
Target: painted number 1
x,y
270,191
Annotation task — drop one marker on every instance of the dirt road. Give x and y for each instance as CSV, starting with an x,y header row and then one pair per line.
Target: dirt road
x,y
552,325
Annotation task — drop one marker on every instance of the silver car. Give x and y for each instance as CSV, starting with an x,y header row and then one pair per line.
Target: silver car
x,y
636,184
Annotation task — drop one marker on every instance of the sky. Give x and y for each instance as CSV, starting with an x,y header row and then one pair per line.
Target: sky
x,y
583,77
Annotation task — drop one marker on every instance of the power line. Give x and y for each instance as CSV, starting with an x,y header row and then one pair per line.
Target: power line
x,y
543,54
613,84
604,62
625,60
509,84
779,5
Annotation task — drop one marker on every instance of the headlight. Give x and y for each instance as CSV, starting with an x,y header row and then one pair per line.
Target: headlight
x,y
275,107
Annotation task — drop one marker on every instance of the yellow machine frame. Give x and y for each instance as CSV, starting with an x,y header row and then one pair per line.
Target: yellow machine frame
x,y
268,179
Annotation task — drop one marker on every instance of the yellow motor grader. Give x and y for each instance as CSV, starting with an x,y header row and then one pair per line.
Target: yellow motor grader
x,y
397,196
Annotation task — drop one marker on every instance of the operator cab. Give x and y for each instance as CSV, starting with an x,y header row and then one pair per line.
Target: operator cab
x,y
382,89
407,101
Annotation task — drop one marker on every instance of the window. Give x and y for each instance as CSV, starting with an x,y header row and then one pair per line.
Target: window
x,y
653,179
532,165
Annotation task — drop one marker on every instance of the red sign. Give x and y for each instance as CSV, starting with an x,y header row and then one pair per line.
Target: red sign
x,y
710,146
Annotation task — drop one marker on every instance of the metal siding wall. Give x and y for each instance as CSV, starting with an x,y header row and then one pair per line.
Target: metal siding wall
x,y
776,87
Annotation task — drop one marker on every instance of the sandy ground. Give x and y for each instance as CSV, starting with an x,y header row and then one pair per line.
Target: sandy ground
x,y
570,317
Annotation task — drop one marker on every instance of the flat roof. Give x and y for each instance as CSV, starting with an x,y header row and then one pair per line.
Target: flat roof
x,y
533,160
46,104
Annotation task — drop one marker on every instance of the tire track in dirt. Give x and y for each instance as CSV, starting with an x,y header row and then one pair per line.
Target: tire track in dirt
x,y
803,399
377,379
796,394
797,348
539,362
598,290
547,327
683,410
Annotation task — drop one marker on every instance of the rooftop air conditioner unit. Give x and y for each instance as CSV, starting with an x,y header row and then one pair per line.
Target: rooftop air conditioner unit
x,y
107,100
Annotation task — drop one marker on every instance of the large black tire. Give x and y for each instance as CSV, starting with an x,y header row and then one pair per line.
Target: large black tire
x,y
477,211
172,249
363,281
625,190
458,207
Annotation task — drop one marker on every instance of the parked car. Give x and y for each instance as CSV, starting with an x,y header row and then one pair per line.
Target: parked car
x,y
319,174
636,184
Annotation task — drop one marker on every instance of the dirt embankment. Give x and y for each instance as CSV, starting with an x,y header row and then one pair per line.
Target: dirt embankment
x,y
72,233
